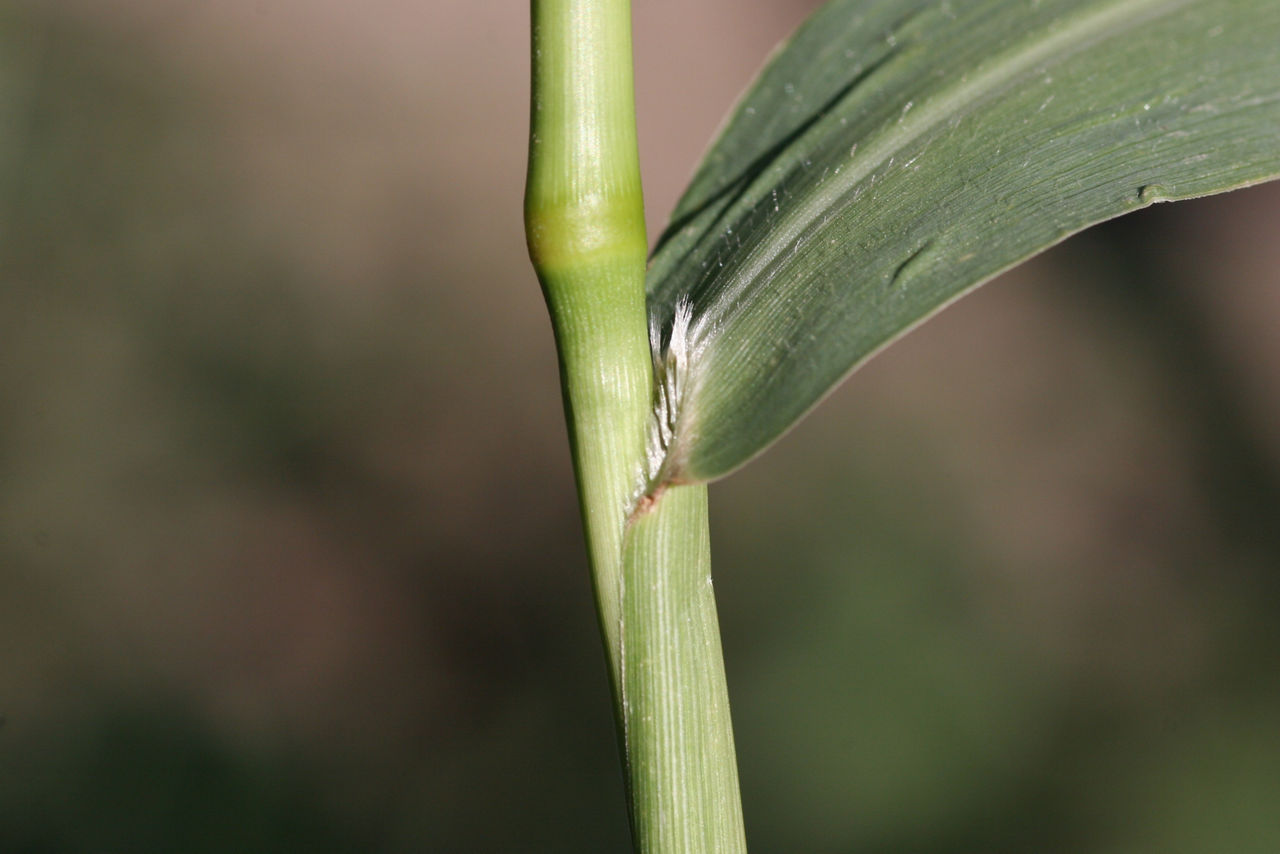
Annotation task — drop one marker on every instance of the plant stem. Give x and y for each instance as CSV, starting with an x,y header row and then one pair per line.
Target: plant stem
x,y
680,737
584,218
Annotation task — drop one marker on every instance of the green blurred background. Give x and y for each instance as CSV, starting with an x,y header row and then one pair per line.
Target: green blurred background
x,y
289,553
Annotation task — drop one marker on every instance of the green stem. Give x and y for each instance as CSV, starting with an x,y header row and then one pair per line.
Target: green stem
x,y
584,217
680,738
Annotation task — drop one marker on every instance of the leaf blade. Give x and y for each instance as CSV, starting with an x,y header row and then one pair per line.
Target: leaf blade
x,y
928,147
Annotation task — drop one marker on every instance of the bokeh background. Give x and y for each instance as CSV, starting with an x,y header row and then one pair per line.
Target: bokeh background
x,y
289,554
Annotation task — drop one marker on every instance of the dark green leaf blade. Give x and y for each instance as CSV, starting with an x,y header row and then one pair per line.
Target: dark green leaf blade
x,y
896,154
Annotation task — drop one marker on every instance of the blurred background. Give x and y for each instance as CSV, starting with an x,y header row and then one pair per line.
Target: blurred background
x,y
289,553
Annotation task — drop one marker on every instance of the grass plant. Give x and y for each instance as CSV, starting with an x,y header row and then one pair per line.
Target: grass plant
x,y
892,156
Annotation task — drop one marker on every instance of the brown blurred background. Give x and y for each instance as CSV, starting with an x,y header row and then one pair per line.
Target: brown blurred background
x,y
289,554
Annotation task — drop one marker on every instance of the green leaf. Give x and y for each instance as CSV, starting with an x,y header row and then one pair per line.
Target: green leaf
x,y
897,153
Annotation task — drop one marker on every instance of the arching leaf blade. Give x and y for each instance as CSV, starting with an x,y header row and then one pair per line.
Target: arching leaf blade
x,y
923,157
